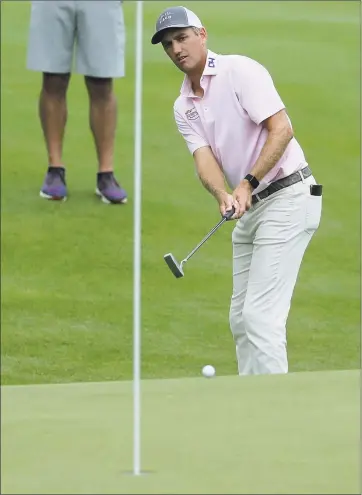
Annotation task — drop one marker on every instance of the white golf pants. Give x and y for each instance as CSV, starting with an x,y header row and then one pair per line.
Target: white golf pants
x,y
269,242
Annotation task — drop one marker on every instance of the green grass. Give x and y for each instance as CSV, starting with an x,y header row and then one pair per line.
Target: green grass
x,y
66,281
296,434
67,268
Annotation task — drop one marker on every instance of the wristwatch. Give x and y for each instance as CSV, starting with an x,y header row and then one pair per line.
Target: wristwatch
x,y
253,180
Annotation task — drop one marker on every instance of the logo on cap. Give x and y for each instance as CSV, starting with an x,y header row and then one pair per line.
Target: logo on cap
x,y
164,17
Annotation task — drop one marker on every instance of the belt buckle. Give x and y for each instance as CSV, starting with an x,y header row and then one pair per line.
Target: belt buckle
x,y
301,175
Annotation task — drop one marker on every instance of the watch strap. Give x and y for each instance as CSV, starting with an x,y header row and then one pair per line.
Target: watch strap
x,y
253,180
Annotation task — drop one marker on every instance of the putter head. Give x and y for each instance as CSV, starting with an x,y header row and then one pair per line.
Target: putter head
x,y
175,268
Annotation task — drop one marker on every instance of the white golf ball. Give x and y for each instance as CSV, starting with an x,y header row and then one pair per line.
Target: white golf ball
x,y
208,371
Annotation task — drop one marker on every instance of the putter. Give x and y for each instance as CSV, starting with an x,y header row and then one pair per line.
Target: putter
x,y
177,268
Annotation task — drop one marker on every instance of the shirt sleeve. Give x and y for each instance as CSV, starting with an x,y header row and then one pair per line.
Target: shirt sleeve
x,y
255,90
193,139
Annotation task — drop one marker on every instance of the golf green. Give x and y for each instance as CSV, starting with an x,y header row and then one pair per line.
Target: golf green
x,y
292,434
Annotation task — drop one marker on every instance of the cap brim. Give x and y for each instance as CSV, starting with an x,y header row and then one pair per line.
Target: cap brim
x,y
157,37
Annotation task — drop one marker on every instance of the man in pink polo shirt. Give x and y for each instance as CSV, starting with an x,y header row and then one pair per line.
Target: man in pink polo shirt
x,y
238,131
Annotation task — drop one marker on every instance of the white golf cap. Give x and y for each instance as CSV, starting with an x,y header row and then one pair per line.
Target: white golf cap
x,y
174,17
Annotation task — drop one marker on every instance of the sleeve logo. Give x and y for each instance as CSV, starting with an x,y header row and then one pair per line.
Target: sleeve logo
x,y
192,114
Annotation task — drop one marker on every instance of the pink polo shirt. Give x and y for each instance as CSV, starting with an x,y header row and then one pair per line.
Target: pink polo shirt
x,y
239,94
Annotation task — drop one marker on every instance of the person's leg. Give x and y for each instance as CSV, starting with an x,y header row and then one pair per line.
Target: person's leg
x,y
51,36
242,255
53,114
100,58
286,222
53,118
101,39
102,119
50,51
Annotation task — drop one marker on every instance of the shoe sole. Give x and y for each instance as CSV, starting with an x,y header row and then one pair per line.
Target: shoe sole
x,y
53,198
107,201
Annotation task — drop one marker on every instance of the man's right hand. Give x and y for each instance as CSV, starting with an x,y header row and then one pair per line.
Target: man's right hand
x,y
226,203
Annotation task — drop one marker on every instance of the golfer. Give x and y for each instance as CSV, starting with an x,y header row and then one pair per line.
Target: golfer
x,y
96,29
238,131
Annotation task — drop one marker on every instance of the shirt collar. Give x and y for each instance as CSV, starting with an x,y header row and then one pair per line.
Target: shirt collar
x,y
209,70
211,64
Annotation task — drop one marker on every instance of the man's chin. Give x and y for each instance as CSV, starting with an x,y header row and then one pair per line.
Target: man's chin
x,y
185,67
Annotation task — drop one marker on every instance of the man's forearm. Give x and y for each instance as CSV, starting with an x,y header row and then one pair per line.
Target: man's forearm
x,y
272,151
211,177
213,184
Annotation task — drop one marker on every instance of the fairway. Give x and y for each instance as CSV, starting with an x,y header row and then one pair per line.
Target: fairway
x,y
289,434
66,269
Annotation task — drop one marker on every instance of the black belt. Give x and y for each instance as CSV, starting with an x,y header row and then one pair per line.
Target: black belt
x,y
281,184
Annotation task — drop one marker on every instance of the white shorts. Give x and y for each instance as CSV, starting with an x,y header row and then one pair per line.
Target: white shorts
x,y
94,29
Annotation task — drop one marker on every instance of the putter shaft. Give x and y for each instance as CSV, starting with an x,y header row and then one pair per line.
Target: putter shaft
x,y
204,239
176,268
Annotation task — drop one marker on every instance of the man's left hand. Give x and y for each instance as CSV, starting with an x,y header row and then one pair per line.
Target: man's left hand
x,y
242,198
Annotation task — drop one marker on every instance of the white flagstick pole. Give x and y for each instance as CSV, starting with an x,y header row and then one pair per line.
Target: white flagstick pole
x,y
137,247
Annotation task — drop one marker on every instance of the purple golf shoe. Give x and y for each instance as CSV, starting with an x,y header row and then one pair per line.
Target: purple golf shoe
x,y
109,189
54,186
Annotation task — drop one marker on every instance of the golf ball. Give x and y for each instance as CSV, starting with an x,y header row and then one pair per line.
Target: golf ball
x,y
208,371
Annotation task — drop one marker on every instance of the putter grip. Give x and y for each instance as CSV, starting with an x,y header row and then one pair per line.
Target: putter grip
x,y
229,214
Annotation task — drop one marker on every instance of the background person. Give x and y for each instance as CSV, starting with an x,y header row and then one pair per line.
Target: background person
x,y
96,30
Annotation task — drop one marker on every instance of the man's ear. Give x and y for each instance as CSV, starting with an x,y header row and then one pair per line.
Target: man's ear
x,y
203,34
